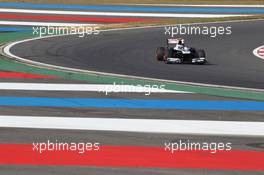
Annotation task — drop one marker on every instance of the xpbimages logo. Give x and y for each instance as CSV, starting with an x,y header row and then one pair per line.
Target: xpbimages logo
x,y
212,31
183,145
81,31
80,147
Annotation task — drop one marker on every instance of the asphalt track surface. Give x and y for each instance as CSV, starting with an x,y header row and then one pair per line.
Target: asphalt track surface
x,y
132,52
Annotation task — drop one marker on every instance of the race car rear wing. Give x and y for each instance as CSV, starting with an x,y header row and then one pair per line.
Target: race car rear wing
x,y
175,41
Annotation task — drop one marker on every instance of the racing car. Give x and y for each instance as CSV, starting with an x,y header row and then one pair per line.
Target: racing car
x,y
176,53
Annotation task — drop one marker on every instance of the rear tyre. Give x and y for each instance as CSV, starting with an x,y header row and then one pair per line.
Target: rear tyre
x,y
201,53
194,53
160,53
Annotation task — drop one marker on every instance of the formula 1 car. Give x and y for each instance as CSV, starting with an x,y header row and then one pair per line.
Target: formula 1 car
x,y
176,53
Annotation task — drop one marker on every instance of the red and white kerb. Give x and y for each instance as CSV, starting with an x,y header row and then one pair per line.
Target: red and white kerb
x,y
259,52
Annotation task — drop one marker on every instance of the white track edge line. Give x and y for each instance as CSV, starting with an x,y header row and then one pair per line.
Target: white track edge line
x,y
195,5
194,127
60,24
116,88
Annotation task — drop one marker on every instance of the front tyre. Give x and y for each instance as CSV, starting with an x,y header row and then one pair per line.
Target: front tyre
x,y
201,55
